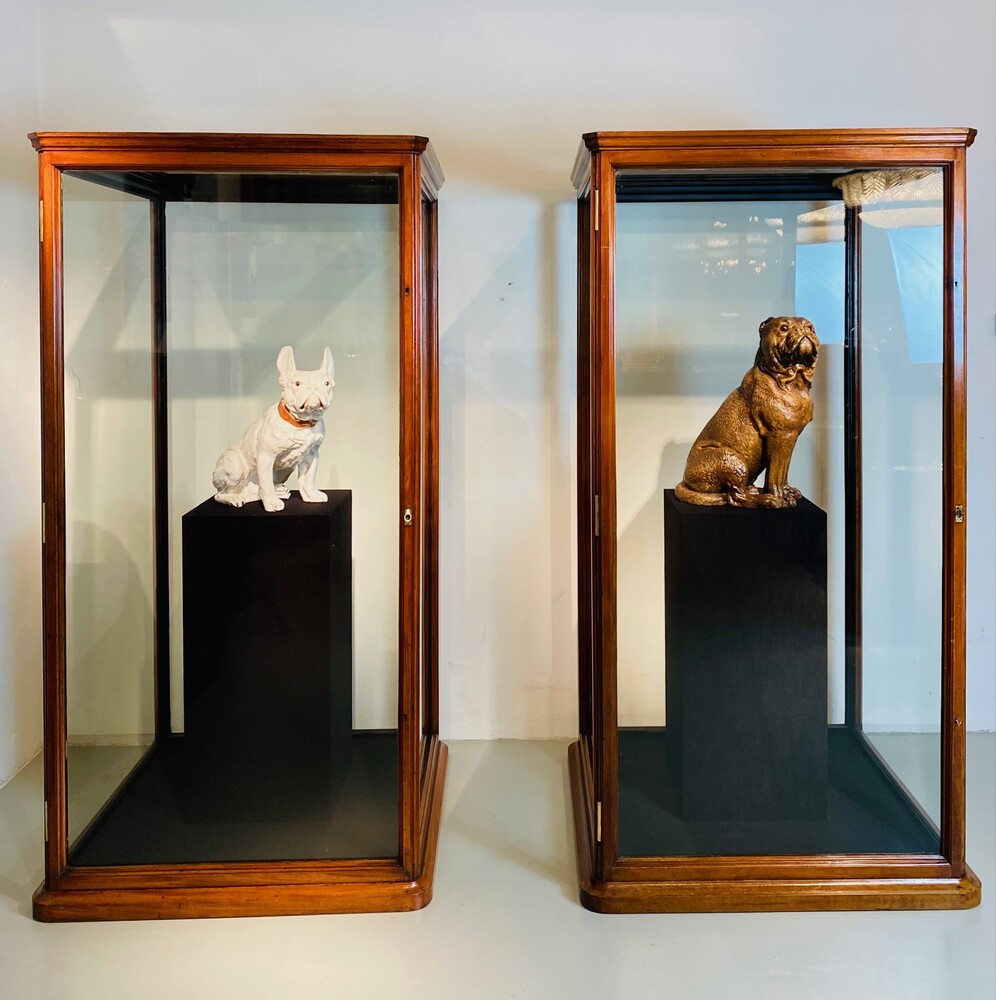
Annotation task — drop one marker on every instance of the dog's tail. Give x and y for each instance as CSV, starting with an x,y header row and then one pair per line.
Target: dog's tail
x,y
688,495
231,471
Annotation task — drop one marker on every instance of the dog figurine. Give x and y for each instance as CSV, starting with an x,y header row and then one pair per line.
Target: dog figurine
x,y
756,427
285,438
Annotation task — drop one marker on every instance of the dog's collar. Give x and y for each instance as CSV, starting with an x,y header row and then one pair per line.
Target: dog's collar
x,y
291,419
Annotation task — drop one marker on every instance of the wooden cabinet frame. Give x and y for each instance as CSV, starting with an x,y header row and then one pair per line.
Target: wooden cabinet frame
x,y
249,888
610,882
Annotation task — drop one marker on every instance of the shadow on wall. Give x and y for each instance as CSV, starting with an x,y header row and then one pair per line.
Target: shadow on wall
x,y
20,502
507,399
247,368
681,370
558,687
641,611
110,681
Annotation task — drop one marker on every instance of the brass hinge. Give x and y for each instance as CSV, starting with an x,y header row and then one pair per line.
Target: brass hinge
x,y
598,822
41,221
598,514
43,522
45,820
959,514
595,209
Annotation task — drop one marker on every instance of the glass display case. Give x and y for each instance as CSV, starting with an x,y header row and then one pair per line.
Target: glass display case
x,y
771,520
240,696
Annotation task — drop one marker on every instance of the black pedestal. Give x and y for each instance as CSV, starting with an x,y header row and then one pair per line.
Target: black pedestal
x,y
267,658
746,646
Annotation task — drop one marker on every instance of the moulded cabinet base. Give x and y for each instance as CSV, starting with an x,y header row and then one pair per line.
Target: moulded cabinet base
x,y
753,895
242,900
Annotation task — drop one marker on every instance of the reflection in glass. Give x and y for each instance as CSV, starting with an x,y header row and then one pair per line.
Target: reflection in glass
x,y
693,281
902,449
110,492
694,277
272,751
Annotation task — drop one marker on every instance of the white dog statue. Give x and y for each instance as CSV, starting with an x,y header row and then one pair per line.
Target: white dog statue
x,y
285,438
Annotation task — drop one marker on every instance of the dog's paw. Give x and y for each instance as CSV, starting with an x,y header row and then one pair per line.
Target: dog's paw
x,y
314,496
273,504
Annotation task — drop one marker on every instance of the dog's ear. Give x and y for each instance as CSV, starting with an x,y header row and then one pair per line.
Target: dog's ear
x,y
285,361
764,325
328,363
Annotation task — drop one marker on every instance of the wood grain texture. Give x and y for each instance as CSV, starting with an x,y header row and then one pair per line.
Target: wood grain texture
x,y
766,148
704,893
619,884
410,486
241,142
604,370
53,527
745,139
430,584
585,506
325,890
134,892
955,494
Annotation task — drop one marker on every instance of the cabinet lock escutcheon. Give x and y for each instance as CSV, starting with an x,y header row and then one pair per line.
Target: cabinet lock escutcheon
x,y
409,517
959,514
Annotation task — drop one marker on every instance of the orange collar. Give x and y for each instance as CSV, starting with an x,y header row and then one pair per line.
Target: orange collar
x,y
291,419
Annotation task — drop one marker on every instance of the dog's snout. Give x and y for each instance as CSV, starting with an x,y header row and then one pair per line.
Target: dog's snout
x,y
807,349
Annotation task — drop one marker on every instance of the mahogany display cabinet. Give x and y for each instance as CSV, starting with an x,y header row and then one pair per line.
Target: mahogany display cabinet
x,y
772,678
240,704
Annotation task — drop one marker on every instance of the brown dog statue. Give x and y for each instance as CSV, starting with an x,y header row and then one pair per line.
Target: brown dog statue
x,y
758,424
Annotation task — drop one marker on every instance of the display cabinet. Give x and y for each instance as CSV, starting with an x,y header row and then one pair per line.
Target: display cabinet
x,y
240,697
771,520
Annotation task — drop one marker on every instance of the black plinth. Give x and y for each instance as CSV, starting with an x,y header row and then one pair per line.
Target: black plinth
x,y
267,657
746,646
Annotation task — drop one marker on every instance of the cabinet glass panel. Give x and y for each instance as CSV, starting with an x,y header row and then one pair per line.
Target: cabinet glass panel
x,y
110,493
759,711
278,643
901,279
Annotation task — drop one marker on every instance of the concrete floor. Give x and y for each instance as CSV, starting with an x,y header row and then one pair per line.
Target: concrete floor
x,y
505,922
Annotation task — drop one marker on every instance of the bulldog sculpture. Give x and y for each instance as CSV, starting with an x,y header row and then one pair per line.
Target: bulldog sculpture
x,y
285,438
756,427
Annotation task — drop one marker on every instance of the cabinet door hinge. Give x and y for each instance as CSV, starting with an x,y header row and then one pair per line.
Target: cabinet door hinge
x,y
45,820
43,522
598,822
41,221
595,207
598,514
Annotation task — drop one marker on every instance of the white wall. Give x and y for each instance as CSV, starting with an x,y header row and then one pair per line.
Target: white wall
x,y
110,486
239,290
20,503
505,92
693,282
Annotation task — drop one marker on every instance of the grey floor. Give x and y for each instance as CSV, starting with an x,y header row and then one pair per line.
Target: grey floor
x,y
504,923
